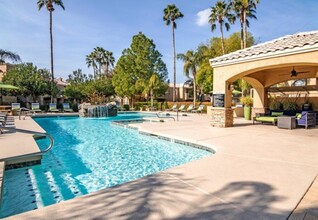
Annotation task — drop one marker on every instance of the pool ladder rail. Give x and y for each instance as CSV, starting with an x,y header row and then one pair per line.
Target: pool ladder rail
x,y
36,135
159,116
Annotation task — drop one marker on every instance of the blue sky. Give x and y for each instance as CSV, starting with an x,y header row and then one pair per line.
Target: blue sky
x,y
111,24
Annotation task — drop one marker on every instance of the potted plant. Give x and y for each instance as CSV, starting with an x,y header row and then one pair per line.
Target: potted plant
x,y
307,106
247,101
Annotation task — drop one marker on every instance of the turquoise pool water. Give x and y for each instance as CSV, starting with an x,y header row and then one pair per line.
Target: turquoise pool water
x,y
89,155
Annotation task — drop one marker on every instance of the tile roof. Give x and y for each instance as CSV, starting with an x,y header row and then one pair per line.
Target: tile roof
x,y
289,42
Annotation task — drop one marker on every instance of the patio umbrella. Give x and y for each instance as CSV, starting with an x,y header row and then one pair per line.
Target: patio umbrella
x,y
6,86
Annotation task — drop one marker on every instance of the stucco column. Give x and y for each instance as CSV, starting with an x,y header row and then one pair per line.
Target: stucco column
x,y
260,100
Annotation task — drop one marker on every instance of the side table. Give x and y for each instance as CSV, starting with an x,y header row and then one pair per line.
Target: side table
x,y
288,122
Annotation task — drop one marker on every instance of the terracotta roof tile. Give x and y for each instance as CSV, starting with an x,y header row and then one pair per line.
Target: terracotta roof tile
x,y
289,42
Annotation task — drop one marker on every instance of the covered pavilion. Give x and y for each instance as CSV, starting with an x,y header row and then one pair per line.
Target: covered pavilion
x,y
263,66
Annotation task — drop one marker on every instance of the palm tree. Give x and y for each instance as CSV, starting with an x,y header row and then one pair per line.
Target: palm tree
x,y
171,14
100,59
148,86
220,13
8,55
108,61
191,61
154,83
91,61
244,9
50,8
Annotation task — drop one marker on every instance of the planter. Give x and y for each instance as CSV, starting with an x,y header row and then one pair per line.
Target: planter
x,y
307,107
247,112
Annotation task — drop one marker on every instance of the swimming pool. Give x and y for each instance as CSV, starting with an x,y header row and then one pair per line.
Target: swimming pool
x,y
89,154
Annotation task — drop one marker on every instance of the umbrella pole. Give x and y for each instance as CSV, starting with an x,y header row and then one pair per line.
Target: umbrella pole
x,y
1,96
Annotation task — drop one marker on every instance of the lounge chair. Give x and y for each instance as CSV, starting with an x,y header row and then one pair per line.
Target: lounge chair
x,y
189,109
52,107
174,107
4,116
35,107
66,107
15,107
268,118
198,110
180,109
6,123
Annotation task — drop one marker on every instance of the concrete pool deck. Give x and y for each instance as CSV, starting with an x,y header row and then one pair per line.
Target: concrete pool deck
x,y
258,172
20,141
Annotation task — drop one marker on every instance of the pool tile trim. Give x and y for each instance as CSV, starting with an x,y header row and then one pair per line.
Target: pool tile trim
x,y
173,140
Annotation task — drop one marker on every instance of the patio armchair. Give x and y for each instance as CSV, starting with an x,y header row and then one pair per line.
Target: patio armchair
x,y
52,107
272,118
66,107
306,119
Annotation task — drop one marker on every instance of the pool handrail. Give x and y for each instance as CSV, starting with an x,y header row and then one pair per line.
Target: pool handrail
x,y
164,116
34,153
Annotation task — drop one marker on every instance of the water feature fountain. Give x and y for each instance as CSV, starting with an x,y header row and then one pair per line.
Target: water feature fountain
x,y
96,111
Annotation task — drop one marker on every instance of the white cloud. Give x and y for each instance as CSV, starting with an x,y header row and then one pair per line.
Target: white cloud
x,y
203,17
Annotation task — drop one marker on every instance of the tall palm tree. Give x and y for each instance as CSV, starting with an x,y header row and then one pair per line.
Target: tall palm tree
x,y
108,61
99,51
91,62
244,9
100,59
219,14
191,61
171,14
8,55
49,6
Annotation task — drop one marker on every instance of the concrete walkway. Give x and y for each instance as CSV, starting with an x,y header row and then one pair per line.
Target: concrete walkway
x,y
258,172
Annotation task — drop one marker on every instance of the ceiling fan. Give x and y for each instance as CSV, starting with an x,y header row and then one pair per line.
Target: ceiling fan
x,y
295,73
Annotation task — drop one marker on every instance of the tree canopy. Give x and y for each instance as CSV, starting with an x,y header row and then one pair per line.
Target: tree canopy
x,y
84,87
140,61
8,55
31,80
214,49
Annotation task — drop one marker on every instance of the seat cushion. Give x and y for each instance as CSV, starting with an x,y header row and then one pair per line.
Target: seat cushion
x,y
277,113
266,119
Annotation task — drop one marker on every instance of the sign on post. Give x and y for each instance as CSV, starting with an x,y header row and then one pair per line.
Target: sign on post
x,y
218,100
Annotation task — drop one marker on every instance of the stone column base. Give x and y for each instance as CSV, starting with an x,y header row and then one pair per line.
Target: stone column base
x,y
222,117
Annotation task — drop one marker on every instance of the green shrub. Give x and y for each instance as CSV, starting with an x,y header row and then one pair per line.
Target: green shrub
x,y
275,105
289,105
74,106
126,107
